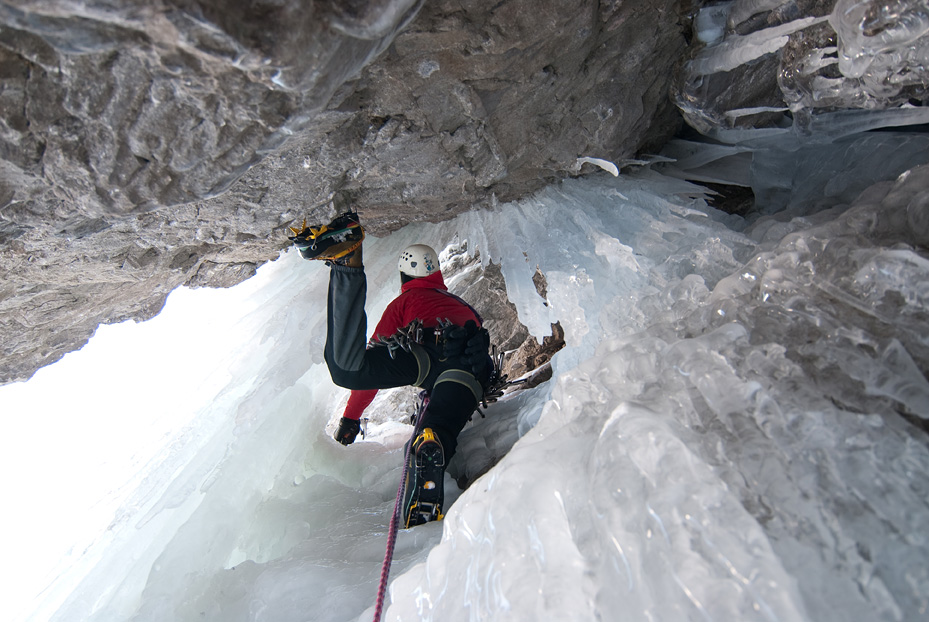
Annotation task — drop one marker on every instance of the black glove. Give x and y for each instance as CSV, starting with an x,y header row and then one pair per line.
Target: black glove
x,y
348,430
469,344
456,339
475,352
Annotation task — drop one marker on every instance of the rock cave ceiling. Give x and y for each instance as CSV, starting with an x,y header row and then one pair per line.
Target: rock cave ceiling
x,y
146,145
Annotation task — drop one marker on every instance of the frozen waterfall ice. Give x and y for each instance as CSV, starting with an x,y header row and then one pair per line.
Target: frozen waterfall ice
x,y
733,432
861,55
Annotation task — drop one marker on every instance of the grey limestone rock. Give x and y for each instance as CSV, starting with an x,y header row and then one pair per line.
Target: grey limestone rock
x,y
147,145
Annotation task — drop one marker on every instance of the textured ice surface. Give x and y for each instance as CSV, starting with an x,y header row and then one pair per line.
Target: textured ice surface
x,y
737,50
795,172
606,165
860,55
885,45
729,434
730,444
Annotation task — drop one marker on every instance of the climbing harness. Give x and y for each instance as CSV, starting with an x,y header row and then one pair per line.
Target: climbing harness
x,y
398,509
412,333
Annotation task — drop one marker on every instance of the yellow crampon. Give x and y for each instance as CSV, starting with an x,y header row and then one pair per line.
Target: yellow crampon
x,y
315,232
427,436
415,509
302,228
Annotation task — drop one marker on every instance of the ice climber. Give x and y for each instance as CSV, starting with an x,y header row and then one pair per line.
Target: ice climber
x,y
445,351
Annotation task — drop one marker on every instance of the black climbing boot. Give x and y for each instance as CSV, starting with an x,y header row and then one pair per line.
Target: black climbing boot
x,y
334,242
425,475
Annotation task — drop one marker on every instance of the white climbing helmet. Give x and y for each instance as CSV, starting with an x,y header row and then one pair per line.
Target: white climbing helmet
x,y
418,260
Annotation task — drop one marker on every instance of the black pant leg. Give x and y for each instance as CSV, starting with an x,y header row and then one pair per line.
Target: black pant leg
x,y
350,363
450,407
346,321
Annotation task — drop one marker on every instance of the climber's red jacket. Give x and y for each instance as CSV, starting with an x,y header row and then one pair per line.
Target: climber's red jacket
x,y
425,299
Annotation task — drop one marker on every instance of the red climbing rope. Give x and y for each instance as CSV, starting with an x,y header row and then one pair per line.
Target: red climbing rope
x,y
398,508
